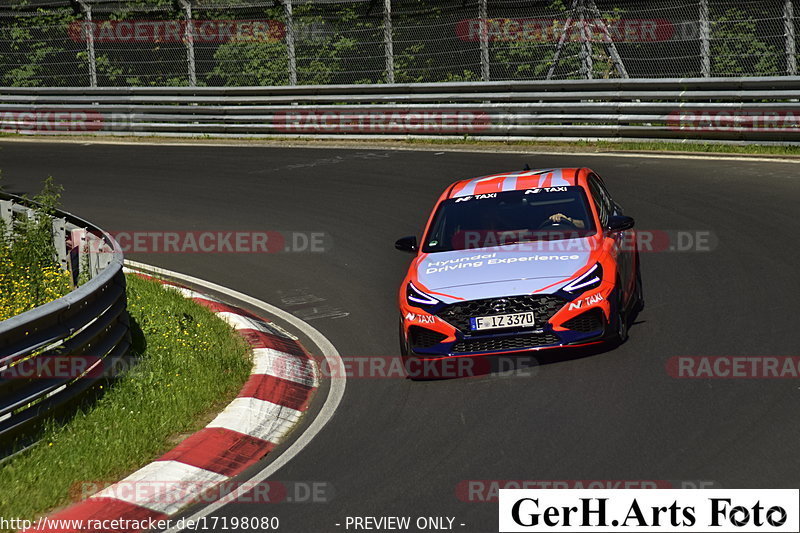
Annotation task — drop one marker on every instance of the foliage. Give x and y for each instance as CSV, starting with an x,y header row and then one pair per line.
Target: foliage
x,y
29,273
343,43
736,48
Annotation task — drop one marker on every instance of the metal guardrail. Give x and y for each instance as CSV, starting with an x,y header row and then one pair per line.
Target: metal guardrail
x,y
53,354
701,109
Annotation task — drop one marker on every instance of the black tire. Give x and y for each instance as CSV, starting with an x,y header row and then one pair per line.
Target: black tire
x,y
619,326
639,296
406,354
403,341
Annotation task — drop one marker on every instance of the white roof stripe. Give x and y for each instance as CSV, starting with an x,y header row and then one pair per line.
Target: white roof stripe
x,y
509,181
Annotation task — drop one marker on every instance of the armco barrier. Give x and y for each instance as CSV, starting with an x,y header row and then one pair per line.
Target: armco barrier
x,y
701,109
53,354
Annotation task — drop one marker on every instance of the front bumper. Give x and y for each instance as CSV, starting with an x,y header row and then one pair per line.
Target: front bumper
x,y
582,321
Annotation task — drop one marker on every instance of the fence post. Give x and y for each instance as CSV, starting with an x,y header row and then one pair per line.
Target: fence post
x,y
188,38
88,31
287,14
388,40
483,15
562,39
586,45
705,40
608,39
788,26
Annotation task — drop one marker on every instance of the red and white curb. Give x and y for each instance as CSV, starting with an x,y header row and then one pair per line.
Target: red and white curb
x,y
278,391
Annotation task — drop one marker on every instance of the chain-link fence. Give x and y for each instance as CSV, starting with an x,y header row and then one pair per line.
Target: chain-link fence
x,y
289,42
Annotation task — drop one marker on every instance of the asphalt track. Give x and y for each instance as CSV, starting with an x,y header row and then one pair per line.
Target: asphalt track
x,y
397,447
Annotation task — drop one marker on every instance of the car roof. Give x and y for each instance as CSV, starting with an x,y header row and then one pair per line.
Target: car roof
x,y
515,181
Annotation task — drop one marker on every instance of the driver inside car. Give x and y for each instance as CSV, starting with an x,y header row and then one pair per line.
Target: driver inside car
x,y
561,218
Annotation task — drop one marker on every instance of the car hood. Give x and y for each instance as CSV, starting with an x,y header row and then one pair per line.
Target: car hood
x,y
502,270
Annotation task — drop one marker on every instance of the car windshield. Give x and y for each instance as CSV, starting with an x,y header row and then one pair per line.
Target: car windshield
x,y
501,218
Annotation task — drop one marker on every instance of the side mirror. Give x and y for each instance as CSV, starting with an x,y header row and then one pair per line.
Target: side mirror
x,y
620,223
407,244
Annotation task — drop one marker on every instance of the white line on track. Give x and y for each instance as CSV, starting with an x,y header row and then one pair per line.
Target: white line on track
x,y
335,393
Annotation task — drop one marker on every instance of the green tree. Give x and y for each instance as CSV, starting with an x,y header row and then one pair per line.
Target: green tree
x,y
736,48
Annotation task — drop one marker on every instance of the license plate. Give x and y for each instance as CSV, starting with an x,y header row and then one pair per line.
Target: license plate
x,y
513,320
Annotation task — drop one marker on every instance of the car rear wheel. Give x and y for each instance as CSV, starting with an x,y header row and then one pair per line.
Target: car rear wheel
x,y
639,296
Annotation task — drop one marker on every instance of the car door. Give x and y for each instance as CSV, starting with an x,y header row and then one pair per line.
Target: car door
x,y
621,251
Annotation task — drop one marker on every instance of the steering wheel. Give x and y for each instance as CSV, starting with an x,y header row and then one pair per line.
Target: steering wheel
x,y
564,222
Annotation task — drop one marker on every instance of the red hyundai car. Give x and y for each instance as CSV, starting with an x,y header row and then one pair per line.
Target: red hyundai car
x,y
520,261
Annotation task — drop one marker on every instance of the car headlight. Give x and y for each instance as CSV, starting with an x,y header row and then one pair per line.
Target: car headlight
x,y
589,280
417,298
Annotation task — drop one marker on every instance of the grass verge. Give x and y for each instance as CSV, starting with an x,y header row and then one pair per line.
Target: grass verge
x,y
625,146
190,365
775,150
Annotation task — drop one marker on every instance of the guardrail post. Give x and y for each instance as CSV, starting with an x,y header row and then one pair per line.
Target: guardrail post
x,y
483,15
88,31
388,40
7,216
188,39
95,246
292,59
60,241
788,26
80,245
705,40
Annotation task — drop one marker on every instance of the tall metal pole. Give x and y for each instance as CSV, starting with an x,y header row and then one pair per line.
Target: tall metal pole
x,y
388,40
483,15
586,45
705,40
287,10
608,38
188,38
89,32
561,39
791,47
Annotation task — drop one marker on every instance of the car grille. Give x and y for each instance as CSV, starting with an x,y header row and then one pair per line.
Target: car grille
x,y
585,322
543,306
513,342
423,337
